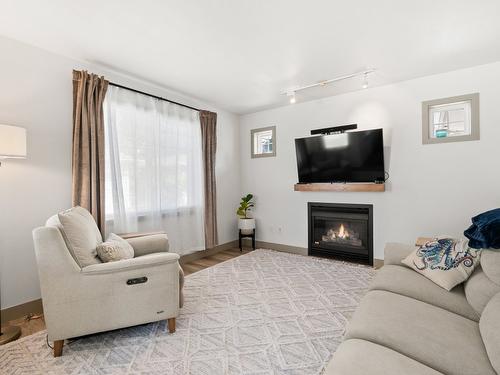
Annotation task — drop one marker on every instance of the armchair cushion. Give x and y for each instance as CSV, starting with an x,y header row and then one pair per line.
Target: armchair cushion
x,y
81,235
115,248
145,261
148,244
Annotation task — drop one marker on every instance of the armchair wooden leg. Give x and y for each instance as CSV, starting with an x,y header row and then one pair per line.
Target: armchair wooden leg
x,y
58,348
171,325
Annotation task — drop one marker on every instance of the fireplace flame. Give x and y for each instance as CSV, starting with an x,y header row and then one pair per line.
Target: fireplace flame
x,y
342,232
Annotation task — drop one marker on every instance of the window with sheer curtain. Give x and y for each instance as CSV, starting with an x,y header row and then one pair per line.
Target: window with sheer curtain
x,y
154,176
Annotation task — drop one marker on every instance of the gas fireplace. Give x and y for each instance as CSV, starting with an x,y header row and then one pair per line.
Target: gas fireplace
x,y
341,230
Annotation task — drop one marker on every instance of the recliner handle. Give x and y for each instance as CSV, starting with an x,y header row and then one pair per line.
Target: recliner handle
x,y
137,280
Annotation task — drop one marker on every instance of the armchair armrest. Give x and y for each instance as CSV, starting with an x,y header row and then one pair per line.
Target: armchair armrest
x,y
147,243
394,253
146,261
126,236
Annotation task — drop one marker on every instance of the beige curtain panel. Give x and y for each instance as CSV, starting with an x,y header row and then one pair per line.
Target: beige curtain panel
x,y
89,91
208,121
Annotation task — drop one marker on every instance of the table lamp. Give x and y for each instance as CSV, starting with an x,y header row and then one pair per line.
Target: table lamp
x,y
12,146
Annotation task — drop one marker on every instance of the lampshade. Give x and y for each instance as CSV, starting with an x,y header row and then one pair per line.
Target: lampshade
x,y
12,142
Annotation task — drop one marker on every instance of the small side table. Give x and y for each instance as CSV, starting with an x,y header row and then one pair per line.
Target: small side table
x,y
249,235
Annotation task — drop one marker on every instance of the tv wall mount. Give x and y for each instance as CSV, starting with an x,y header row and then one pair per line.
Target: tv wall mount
x,y
334,130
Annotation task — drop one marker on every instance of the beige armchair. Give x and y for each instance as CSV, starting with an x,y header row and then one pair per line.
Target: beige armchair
x,y
81,299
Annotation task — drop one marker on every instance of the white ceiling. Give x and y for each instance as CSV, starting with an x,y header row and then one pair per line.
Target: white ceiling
x,y
241,54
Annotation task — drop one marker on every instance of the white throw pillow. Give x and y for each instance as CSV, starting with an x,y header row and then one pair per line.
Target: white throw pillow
x,y
445,261
81,235
115,248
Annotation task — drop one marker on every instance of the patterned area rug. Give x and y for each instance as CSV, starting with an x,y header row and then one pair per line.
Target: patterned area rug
x,y
265,312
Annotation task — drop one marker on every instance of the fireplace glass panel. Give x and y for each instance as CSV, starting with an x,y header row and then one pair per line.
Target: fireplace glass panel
x,y
340,233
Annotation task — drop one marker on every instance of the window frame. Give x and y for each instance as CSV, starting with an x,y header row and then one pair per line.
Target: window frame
x,y
253,134
427,107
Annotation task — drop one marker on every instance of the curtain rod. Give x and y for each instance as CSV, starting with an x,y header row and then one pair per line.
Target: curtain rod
x,y
154,96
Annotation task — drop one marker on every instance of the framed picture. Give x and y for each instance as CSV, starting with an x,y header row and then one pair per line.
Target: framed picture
x,y
263,142
453,119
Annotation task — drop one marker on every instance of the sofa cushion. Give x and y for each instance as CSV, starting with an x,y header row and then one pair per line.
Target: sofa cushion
x,y
404,281
81,234
489,326
446,261
360,357
444,341
394,252
490,262
479,289
115,248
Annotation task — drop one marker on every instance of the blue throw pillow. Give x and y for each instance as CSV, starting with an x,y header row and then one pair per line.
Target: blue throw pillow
x,y
484,233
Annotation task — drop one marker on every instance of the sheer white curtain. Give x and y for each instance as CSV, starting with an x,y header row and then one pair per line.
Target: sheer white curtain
x,y
154,176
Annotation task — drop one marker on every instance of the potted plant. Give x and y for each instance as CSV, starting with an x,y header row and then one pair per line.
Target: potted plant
x,y
245,223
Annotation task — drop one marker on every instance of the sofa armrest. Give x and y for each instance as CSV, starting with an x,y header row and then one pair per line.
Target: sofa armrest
x,y
141,262
148,243
394,253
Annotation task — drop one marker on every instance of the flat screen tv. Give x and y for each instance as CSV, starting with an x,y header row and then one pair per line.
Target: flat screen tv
x,y
348,157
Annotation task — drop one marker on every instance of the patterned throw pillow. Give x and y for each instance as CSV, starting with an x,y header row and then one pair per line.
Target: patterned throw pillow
x,y
445,261
115,248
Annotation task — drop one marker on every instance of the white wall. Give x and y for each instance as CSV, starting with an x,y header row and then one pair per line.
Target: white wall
x,y
36,93
433,189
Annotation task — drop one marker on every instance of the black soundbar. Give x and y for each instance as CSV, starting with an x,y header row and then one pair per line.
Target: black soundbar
x,y
334,129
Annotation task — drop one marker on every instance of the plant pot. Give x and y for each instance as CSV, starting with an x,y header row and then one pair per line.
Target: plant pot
x,y
246,225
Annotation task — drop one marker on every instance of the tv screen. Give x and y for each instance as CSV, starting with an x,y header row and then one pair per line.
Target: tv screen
x,y
348,157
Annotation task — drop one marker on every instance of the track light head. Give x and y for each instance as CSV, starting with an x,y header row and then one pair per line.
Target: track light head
x,y
365,81
291,96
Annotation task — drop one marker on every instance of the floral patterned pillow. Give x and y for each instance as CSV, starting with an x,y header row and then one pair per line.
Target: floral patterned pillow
x,y
445,261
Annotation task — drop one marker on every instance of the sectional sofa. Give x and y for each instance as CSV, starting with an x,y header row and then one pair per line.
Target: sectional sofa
x,y
407,325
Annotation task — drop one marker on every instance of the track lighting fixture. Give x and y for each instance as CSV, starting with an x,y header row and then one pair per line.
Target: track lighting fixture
x,y
291,92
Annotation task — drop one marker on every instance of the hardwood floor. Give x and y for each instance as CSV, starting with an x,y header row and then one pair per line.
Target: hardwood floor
x,y
35,324
28,325
212,260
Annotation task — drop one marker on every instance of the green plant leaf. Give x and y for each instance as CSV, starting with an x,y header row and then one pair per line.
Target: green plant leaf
x,y
245,206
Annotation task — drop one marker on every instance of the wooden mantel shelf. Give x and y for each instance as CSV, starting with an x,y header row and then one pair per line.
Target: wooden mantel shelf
x,y
357,187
